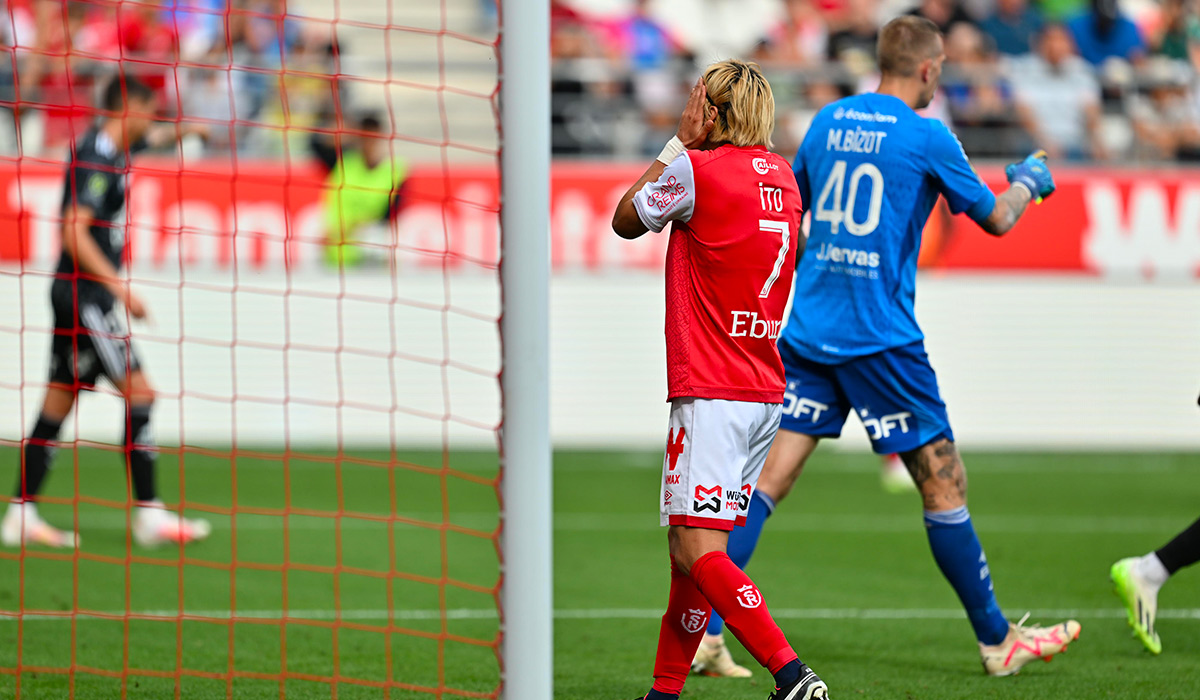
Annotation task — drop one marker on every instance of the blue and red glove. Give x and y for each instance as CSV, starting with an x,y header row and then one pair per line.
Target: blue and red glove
x,y
1034,174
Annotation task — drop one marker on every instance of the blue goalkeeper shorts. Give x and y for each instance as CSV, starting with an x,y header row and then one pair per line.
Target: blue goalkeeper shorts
x,y
894,393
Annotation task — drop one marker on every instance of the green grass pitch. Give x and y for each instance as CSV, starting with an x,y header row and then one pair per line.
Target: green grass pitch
x,y
844,566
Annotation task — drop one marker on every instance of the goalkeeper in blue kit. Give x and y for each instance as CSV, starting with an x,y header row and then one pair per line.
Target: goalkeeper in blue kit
x,y
870,170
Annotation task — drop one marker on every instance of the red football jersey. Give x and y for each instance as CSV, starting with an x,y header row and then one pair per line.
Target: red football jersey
x,y
730,263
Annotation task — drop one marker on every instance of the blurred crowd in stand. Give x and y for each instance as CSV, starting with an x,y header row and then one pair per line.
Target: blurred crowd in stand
x,y
1085,79
1091,80
213,61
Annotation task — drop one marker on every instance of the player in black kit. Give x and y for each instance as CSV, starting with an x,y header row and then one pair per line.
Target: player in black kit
x,y
90,340
1138,580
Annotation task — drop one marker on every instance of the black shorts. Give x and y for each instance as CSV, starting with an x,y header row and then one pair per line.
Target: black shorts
x,y
89,342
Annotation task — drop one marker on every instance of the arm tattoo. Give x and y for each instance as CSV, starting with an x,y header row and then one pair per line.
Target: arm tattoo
x,y
1009,207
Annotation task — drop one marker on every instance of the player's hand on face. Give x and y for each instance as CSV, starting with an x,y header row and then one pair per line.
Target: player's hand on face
x,y
699,117
1033,173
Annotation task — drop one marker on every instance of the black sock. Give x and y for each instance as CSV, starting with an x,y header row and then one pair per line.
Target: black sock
x,y
659,695
140,451
1182,551
788,674
39,451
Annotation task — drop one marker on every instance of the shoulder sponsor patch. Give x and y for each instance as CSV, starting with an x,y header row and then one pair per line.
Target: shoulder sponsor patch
x,y
97,185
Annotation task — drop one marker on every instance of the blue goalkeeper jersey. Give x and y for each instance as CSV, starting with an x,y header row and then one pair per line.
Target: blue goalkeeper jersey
x,y
870,170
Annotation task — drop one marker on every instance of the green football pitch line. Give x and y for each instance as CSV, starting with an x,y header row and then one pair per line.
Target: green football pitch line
x,y
845,566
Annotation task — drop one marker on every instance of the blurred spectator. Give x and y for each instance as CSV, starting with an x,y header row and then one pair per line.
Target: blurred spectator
x,y
854,45
270,31
1104,32
799,40
582,110
648,49
1058,98
59,68
1061,10
1166,120
306,85
489,16
364,190
199,25
17,25
944,13
209,95
794,123
562,15
979,98
640,40
258,39
147,43
1178,30
1013,26
9,111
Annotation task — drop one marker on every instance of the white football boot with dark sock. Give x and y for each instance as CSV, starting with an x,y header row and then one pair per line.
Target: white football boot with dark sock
x,y
23,525
154,525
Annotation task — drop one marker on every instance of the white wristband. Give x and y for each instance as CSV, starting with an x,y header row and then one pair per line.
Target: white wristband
x,y
1025,187
670,151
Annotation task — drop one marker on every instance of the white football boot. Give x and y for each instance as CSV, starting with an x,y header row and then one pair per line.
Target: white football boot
x,y
713,659
1026,643
1140,597
894,476
23,525
154,525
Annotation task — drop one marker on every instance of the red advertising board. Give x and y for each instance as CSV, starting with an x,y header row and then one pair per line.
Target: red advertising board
x,y
260,215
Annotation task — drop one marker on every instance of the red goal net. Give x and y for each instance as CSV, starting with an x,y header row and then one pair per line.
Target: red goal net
x,y
313,229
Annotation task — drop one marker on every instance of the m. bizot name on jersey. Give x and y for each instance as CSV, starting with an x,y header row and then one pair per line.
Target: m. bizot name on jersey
x,y
856,140
852,256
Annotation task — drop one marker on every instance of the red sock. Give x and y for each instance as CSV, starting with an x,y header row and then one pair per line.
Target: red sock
x,y
735,597
682,629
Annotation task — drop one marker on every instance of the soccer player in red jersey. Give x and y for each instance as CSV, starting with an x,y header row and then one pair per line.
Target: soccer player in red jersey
x,y
730,262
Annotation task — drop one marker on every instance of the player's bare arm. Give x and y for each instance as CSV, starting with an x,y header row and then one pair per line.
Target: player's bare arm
x,y
1008,210
699,118
161,135
78,242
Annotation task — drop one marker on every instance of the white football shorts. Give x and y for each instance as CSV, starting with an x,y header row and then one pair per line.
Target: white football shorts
x,y
715,451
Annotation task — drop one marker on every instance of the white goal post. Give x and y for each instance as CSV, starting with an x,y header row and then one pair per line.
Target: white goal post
x,y
527,593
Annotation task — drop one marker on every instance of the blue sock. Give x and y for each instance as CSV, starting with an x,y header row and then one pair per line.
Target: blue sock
x,y
659,695
743,540
960,557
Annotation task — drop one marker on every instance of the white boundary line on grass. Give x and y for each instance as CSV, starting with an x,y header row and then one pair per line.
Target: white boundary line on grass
x,y
845,523
609,614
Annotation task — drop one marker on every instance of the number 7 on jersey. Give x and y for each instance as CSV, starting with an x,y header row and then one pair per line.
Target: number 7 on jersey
x,y
780,227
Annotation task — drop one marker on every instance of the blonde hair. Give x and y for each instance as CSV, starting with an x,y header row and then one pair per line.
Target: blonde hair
x,y
744,101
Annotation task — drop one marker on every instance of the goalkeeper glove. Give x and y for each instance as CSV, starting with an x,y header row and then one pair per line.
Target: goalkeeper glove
x,y
1033,174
